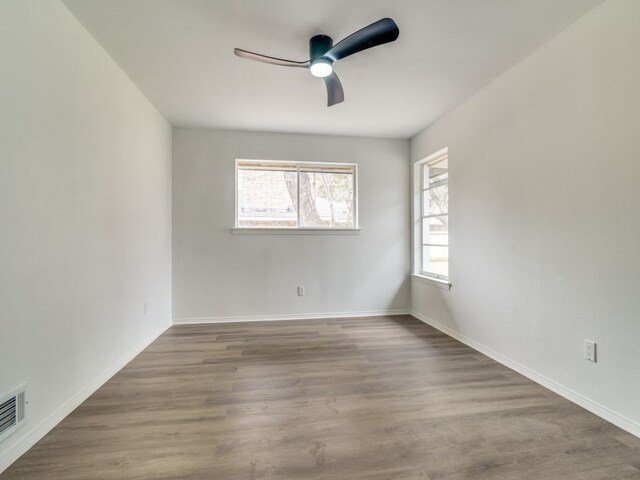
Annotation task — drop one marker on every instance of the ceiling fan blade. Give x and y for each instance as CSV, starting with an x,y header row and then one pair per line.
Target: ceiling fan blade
x,y
378,33
335,93
272,60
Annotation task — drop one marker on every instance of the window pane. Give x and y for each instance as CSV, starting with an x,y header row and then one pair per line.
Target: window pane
x,y
435,230
435,260
435,172
326,199
436,200
267,198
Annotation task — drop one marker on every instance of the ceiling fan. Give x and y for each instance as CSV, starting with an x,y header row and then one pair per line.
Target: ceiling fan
x,y
323,53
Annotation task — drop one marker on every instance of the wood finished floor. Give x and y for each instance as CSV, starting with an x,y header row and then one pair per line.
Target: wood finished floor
x,y
368,398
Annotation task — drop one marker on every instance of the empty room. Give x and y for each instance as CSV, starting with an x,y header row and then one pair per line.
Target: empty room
x,y
303,240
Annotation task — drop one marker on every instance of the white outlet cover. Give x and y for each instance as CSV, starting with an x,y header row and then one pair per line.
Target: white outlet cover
x,y
590,350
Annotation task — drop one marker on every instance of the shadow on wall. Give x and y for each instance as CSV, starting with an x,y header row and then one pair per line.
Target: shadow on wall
x,y
432,303
401,299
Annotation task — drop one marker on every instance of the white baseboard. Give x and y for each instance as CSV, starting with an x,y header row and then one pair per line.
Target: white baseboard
x,y
44,427
291,316
571,395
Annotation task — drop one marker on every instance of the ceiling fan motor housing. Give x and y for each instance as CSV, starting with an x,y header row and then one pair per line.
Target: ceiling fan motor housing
x,y
319,45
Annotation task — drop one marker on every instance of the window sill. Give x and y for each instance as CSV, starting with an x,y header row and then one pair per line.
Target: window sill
x,y
295,231
436,282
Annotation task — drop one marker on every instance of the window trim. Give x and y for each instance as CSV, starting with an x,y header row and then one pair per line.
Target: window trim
x,y
297,229
433,281
418,235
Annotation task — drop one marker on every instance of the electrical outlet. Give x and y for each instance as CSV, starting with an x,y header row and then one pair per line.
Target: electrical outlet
x,y
301,291
590,350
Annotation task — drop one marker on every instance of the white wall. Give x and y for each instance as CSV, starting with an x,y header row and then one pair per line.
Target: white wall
x,y
218,275
85,222
545,224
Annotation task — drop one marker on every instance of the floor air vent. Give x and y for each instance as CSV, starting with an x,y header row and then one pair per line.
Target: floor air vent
x,y
12,412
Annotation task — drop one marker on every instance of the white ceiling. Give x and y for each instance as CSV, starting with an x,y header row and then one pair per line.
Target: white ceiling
x,y
180,54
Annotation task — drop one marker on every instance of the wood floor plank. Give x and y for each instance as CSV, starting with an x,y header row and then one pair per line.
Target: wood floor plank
x,y
384,398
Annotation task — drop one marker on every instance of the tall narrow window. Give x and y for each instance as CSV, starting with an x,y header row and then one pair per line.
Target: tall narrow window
x,y
434,222
273,194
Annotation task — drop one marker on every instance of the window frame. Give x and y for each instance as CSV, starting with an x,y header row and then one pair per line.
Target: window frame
x,y
299,165
420,216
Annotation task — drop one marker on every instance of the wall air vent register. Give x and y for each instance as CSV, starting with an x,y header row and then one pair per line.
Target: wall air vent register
x,y
12,412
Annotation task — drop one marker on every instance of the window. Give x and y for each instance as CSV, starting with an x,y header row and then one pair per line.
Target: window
x,y
286,195
434,217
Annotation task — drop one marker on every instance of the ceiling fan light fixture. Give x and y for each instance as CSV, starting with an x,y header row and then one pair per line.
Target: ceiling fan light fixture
x,y
321,68
322,54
